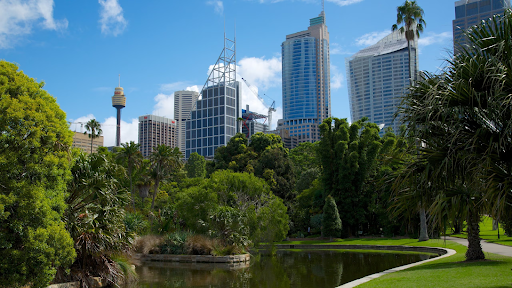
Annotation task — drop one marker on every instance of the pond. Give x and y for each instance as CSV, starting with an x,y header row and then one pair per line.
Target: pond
x,y
289,268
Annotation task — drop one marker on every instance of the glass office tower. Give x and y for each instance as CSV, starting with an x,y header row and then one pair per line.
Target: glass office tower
x,y
378,77
306,81
471,12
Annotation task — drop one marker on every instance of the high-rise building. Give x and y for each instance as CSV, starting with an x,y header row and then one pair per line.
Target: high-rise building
x,y
306,81
214,119
154,131
378,77
289,142
183,104
471,12
82,141
118,102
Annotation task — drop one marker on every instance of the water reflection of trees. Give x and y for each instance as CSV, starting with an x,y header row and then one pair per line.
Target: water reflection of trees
x,y
306,269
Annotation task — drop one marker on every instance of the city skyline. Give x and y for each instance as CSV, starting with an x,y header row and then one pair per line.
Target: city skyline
x,y
80,48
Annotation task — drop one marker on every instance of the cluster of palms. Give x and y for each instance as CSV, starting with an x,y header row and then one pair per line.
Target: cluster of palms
x,y
461,120
162,162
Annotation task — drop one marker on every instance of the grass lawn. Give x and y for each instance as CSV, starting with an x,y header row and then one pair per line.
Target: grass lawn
x,y
488,235
446,272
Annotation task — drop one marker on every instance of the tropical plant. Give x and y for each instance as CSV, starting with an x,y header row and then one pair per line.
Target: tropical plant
x,y
94,129
164,161
34,168
463,116
130,155
348,155
94,218
410,16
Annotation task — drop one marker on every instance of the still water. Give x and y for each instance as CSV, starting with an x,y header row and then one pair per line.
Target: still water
x,y
298,269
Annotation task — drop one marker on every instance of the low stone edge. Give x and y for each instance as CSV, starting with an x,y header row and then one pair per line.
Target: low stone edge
x,y
194,258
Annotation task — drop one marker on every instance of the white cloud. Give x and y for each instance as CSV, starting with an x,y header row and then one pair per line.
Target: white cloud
x,y
337,78
336,49
218,6
371,38
261,72
164,105
434,38
129,131
17,17
111,17
344,2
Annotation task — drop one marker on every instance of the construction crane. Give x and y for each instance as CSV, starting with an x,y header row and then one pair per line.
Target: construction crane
x,y
272,107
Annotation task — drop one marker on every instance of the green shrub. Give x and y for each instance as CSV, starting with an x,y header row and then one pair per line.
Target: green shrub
x,y
174,243
331,222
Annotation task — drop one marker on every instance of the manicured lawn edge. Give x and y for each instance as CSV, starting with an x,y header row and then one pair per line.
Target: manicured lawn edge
x,y
451,271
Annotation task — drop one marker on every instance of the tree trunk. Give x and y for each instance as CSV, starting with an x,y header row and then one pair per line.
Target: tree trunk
x,y
410,61
474,251
423,225
92,140
457,226
157,183
494,225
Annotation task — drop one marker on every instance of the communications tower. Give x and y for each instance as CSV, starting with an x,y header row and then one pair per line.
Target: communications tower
x,y
118,102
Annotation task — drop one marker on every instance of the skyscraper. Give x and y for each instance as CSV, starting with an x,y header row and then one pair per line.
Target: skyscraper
x,y
471,12
183,104
306,81
214,119
154,131
378,77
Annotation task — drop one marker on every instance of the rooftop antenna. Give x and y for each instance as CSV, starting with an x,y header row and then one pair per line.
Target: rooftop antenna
x,y
119,80
323,6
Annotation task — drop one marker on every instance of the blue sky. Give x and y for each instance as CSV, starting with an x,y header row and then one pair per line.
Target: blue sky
x,y
160,46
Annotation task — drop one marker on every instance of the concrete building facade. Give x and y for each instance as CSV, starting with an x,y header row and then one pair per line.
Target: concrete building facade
x,y
183,104
471,12
378,77
289,142
154,131
82,141
306,81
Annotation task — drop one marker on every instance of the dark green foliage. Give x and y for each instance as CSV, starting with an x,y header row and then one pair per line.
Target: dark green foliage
x,y
331,222
196,166
95,218
34,168
275,167
348,155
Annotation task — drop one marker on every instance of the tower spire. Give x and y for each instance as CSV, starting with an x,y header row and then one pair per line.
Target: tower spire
x,y
323,6
119,80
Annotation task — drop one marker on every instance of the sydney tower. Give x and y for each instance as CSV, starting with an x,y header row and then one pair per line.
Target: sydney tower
x,y
118,102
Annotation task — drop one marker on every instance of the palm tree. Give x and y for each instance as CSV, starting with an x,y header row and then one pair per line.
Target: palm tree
x,y
164,161
130,154
94,127
410,16
464,117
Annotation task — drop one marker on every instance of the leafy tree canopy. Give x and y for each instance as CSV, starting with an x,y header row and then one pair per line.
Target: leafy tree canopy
x,y
34,168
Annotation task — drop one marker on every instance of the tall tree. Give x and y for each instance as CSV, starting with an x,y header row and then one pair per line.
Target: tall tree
x,y
348,155
464,116
196,166
164,161
94,129
130,154
34,169
410,16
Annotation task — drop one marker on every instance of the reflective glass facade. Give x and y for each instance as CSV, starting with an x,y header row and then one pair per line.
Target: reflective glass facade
x,y
471,12
214,121
306,81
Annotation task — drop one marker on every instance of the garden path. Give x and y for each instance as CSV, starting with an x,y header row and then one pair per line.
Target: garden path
x,y
486,247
